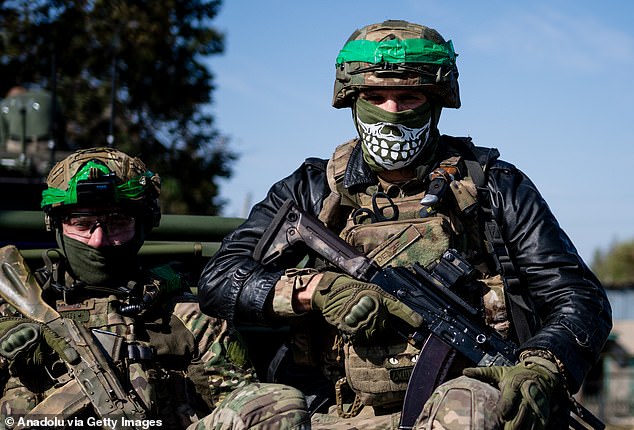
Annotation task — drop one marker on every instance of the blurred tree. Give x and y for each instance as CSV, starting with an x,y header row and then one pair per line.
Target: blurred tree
x,y
152,54
616,266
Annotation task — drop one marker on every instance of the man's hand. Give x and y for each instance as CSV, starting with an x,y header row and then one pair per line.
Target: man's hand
x,y
26,343
358,309
526,391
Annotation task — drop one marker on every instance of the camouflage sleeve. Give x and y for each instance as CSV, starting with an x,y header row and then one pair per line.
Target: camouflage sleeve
x,y
16,398
221,363
6,310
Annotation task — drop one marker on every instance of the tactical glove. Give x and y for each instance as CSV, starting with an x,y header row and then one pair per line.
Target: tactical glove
x,y
359,310
26,343
526,391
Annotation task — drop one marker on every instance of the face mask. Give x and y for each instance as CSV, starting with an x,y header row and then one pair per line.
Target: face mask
x,y
106,266
392,140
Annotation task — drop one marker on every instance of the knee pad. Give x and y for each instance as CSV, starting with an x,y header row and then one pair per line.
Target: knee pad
x,y
259,407
461,403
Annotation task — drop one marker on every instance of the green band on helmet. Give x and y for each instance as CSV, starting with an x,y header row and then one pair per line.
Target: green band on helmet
x,y
132,189
398,51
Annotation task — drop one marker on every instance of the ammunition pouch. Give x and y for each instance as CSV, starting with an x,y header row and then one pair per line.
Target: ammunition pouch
x,y
379,374
399,243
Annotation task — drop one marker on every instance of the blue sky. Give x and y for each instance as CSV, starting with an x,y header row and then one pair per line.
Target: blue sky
x,y
548,83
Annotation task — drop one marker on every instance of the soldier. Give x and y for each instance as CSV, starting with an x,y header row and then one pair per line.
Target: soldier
x,y
403,193
174,362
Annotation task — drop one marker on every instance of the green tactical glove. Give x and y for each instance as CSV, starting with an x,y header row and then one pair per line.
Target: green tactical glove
x,y
526,390
26,343
358,309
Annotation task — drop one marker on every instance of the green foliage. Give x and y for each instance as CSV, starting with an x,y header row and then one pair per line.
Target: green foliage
x,y
616,266
162,84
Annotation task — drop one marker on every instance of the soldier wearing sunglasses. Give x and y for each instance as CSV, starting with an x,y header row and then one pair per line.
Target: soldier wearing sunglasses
x,y
174,362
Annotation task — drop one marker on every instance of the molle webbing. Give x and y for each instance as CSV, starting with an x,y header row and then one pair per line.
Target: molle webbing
x,y
335,170
476,160
340,197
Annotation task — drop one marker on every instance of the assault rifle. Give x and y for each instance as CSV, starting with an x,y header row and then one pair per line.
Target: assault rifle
x,y
93,377
452,323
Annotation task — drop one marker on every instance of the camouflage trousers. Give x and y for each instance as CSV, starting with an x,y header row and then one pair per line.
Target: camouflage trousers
x,y
258,406
16,401
459,404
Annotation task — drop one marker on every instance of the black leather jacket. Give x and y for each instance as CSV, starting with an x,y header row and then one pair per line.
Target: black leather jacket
x,y
569,302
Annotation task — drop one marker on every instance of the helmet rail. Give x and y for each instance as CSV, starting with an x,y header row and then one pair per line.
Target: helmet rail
x,y
102,177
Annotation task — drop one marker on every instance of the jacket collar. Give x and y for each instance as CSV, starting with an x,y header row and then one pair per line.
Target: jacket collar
x,y
358,173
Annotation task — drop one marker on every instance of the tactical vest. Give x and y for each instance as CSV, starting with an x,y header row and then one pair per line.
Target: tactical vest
x,y
117,335
138,345
399,224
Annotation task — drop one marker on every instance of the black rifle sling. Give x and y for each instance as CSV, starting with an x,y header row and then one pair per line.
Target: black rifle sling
x,y
518,308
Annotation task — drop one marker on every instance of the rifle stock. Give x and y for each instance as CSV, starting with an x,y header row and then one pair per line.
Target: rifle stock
x,y
291,226
20,289
92,371
446,315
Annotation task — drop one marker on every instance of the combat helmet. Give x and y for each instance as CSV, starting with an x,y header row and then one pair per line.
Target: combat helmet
x,y
397,54
102,177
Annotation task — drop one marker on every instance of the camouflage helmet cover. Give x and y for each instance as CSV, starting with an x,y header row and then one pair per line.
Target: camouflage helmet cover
x,y
397,54
103,177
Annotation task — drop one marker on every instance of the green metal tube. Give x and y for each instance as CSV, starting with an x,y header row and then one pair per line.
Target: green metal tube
x,y
154,249
29,226
23,220
24,227
197,249
198,228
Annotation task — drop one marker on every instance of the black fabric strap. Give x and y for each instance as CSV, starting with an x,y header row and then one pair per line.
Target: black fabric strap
x,y
518,307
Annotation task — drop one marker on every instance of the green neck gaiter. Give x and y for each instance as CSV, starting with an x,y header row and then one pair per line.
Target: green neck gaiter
x,y
393,140
109,266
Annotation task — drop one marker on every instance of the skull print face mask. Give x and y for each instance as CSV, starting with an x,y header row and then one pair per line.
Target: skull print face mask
x,y
393,140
